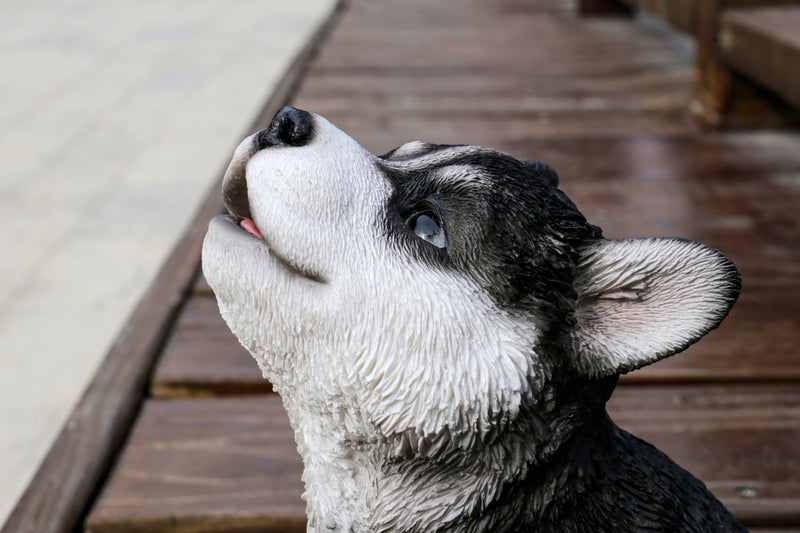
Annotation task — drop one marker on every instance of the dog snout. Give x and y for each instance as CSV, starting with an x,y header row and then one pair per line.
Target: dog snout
x,y
289,127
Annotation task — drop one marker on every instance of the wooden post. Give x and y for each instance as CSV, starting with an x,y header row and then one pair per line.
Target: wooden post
x,y
723,98
712,79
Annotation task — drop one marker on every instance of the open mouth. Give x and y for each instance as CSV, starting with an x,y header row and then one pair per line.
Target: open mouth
x,y
246,224
240,226
249,226
234,195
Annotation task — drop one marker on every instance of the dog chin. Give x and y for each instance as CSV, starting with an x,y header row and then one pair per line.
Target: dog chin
x,y
233,240
229,253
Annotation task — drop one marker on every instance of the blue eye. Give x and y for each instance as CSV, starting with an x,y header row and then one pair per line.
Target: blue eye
x,y
426,222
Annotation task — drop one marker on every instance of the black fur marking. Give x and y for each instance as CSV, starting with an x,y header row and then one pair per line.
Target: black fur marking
x,y
545,172
607,480
508,227
512,230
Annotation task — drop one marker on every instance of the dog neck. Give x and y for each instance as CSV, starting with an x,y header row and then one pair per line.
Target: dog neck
x,y
591,475
357,480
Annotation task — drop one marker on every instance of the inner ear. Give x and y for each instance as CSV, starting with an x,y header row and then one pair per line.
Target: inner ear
x,y
641,300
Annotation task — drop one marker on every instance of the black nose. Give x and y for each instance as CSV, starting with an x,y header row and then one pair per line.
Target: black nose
x,y
290,127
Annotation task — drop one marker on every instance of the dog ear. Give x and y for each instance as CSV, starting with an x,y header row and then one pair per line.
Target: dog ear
x,y
545,172
641,300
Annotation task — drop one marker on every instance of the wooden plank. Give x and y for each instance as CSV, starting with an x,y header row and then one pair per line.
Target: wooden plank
x,y
201,286
615,80
603,45
229,464
764,44
727,169
203,358
203,466
756,230
740,440
499,131
65,484
467,90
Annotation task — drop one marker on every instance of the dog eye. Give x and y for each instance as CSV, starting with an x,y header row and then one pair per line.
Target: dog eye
x,y
426,222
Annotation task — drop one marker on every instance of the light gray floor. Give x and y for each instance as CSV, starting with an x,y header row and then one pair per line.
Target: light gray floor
x,y
115,118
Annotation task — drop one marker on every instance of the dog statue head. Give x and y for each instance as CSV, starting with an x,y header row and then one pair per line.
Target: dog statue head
x,y
440,320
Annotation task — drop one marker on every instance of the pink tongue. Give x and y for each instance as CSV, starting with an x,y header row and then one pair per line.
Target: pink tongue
x,y
250,227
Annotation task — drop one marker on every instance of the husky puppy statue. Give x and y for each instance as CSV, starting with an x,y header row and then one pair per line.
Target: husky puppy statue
x,y
445,327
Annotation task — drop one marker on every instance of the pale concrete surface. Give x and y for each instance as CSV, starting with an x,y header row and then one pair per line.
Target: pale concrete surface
x,y
115,118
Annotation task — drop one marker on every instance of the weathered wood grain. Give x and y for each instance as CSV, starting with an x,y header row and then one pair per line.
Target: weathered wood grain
x,y
201,286
222,465
203,358
229,464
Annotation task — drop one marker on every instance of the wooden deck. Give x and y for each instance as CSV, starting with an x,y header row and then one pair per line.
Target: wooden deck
x,y
605,102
